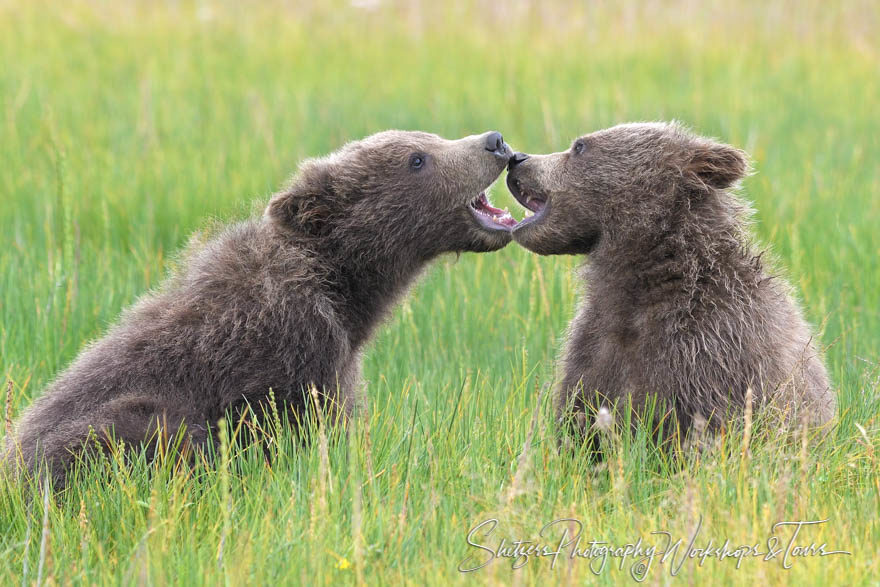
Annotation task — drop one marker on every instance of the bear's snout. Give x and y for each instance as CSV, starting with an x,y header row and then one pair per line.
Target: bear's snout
x,y
516,159
496,145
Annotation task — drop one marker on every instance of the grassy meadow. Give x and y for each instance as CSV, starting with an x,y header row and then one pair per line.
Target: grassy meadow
x,y
126,126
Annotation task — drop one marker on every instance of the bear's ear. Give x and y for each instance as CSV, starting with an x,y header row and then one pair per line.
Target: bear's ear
x,y
306,204
716,165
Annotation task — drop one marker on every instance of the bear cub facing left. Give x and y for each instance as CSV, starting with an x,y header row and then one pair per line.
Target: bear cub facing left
x,y
679,307
285,302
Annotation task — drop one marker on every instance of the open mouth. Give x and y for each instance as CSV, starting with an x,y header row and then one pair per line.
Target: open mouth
x,y
489,216
535,204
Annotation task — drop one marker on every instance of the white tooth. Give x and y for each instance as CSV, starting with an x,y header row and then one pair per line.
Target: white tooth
x,y
529,213
494,219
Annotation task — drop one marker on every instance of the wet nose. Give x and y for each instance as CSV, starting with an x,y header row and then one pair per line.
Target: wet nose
x,y
517,159
495,142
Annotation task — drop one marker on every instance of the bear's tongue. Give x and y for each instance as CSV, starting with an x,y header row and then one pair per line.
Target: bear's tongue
x,y
482,206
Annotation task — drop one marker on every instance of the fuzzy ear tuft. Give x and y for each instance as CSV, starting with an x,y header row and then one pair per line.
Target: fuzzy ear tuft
x,y
306,204
717,165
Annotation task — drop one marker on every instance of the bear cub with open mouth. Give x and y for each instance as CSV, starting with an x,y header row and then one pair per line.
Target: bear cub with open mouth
x,y
679,306
284,302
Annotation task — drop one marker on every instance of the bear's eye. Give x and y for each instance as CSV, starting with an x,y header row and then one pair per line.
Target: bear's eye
x,y
578,147
416,160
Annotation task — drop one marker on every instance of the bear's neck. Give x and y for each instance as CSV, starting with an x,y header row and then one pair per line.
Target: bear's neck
x,y
703,253
368,282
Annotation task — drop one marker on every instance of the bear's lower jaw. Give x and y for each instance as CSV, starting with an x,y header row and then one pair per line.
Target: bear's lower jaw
x,y
490,217
536,205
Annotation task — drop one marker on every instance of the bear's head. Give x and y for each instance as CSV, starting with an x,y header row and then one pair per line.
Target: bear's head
x,y
624,184
400,193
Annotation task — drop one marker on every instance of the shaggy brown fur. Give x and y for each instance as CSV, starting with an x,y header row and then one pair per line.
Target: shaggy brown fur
x,y
679,306
285,301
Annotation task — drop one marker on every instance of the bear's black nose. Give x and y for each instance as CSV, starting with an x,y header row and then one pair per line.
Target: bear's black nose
x,y
517,159
494,142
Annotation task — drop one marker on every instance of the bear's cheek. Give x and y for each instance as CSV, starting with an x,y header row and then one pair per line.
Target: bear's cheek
x,y
582,204
568,228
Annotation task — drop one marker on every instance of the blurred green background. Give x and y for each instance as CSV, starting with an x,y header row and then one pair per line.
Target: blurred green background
x,y
128,125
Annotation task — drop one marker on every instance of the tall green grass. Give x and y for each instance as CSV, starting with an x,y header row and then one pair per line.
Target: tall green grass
x,y
124,127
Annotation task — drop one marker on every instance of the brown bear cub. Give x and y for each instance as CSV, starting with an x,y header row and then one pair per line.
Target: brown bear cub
x,y
680,310
284,302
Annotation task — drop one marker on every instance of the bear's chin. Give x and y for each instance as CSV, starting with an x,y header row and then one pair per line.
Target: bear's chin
x,y
481,240
494,241
543,242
